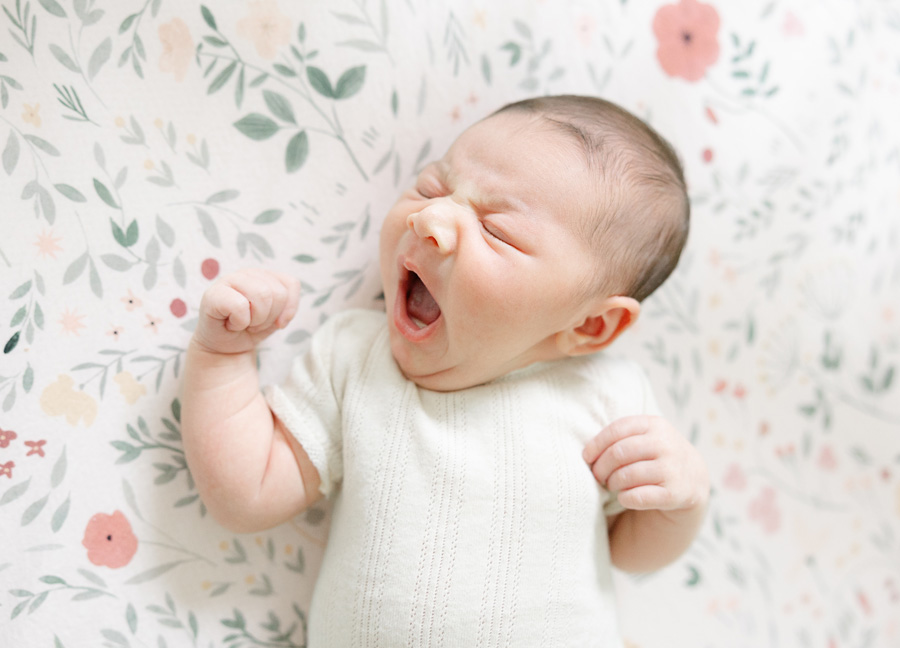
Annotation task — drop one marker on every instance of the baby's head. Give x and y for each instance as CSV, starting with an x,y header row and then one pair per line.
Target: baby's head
x,y
534,238
637,220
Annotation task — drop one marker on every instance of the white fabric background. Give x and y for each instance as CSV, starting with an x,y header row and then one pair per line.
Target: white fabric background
x,y
129,179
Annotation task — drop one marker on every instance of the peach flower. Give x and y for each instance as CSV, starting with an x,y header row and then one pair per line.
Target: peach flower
x,y
266,26
71,321
687,33
47,244
31,114
178,48
109,540
60,398
131,389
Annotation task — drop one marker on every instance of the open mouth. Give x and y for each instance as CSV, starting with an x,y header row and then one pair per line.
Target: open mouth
x,y
421,307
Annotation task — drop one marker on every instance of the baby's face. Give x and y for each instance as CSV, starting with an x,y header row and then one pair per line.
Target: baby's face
x,y
481,261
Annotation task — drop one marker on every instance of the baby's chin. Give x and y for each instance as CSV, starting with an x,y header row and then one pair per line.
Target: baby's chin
x,y
445,380
451,379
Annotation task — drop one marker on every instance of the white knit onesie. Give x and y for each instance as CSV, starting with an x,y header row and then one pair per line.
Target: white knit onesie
x,y
461,519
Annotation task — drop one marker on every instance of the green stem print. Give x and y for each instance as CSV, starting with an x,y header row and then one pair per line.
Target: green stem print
x,y
27,317
245,240
135,52
24,25
141,440
33,600
756,89
41,198
378,41
68,97
297,76
278,637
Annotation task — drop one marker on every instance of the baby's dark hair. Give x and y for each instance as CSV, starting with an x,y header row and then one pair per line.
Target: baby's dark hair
x,y
640,224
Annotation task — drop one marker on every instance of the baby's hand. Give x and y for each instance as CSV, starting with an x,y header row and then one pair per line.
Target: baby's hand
x,y
649,463
242,309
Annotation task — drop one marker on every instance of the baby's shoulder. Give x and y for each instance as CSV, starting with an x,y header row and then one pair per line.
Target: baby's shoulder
x,y
623,384
605,367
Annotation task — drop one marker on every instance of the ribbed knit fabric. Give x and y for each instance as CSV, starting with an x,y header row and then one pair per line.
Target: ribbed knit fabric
x,y
460,519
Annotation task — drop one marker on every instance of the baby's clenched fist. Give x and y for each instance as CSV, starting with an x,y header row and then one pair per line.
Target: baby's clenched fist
x,y
243,308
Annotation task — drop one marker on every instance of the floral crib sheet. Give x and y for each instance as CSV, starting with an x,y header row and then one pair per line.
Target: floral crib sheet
x,y
147,147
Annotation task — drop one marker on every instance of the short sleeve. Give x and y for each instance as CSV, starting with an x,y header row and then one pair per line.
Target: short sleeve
x,y
309,402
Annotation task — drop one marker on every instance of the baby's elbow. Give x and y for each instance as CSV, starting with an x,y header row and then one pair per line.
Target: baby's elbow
x,y
239,519
251,514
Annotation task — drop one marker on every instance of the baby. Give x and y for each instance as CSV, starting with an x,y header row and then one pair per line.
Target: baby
x,y
487,466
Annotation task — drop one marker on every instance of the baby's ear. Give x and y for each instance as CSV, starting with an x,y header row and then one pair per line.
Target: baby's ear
x,y
610,319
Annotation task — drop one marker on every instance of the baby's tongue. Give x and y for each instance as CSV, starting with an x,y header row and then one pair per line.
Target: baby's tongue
x,y
419,303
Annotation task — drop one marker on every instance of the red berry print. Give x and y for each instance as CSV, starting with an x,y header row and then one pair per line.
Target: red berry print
x,y
178,308
210,269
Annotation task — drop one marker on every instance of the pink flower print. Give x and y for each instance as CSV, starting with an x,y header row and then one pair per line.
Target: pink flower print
x,y
792,25
152,323
6,469
687,34
5,437
827,460
266,26
36,447
131,302
735,479
109,540
764,510
71,321
585,28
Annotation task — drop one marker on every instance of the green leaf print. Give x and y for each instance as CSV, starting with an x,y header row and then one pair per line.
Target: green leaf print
x,y
66,60
43,144
104,194
70,192
53,7
256,126
297,152
11,153
222,78
350,82
319,81
279,106
99,58
208,17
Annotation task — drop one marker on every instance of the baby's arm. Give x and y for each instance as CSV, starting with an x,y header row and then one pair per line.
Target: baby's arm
x,y
251,473
663,484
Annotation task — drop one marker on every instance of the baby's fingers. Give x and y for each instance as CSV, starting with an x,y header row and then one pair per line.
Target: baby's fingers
x,y
265,296
223,303
613,433
292,301
640,473
625,452
645,498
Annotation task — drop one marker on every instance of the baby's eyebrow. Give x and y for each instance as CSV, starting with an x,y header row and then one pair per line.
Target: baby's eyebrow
x,y
504,203
439,167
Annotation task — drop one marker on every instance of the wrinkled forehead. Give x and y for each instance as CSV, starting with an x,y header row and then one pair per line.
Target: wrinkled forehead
x,y
518,129
525,155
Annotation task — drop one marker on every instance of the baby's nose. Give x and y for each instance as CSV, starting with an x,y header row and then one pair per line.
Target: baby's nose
x,y
436,225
